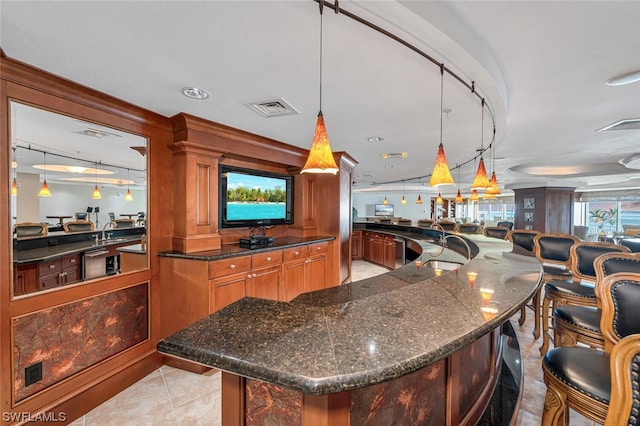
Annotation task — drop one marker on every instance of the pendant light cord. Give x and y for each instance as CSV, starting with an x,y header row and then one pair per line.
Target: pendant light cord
x,y
441,97
321,9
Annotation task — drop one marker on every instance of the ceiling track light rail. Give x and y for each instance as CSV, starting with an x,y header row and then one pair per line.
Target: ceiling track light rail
x,y
30,148
470,86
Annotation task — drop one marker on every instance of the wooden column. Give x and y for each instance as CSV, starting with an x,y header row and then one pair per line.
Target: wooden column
x,y
544,209
195,212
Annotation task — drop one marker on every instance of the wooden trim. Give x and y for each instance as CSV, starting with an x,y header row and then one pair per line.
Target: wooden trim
x,y
609,307
233,390
621,401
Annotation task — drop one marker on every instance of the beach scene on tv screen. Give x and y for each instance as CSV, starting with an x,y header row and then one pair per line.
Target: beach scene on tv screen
x,y
255,197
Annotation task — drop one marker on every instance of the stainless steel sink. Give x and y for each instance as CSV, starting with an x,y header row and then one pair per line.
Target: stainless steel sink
x,y
442,265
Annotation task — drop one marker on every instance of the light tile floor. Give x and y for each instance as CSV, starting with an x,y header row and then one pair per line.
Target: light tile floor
x,y
170,396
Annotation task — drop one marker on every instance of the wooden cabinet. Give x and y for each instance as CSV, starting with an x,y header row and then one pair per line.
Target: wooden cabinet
x,y
25,279
389,255
57,272
304,269
232,279
356,244
379,248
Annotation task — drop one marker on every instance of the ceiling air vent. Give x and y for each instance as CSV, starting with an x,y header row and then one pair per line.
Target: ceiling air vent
x,y
390,155
272,108
629,124
95,133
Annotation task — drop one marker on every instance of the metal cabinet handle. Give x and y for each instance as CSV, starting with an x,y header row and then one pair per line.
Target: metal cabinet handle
x,y
254,275
52,266
232,266
269,259
248,275
72,261
296,253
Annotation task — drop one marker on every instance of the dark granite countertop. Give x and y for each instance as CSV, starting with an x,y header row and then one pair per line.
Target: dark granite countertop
x,y
61,250
234,250
366,332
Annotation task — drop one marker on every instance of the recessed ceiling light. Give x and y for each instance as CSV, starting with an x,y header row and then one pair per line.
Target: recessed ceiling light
x,y
195,93
375,139
622,79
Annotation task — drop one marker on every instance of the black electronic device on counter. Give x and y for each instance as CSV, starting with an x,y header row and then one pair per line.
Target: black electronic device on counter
x,y
257,241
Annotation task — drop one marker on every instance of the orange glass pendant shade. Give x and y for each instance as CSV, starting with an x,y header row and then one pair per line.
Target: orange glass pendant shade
x,y
128,196
481,180
439,200
441,174
14,187
419,200
44,190
96,193
385,201
493,188
474,195
320,158
458,198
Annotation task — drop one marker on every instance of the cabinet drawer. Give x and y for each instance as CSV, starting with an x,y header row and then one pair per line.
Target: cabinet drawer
x,y
262,260
295,253
70,262
221,268
46,268
318,248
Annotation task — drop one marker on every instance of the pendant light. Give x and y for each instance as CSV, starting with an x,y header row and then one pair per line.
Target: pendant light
x,y
494,188
320,158
385,201
403,201
474,195
128,196
44,189
14,166
439,200
481,180
441,174
458,198
96,192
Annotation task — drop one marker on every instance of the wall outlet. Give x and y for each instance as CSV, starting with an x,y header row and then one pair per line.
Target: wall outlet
x,y
33,374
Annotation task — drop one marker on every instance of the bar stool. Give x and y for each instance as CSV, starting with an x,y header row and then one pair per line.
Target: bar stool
x,y
506,224
499,232
581,324
579,291
468,228
424,223
524,238
446,225
553,250
581,378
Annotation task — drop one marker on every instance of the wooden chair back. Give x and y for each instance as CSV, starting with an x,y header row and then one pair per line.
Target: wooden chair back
x,y
30,230
496,232
468,228
78,226
523,238
620,297
554,248
584,255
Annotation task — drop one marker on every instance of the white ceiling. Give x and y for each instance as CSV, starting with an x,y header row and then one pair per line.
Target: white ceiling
x,y
541,66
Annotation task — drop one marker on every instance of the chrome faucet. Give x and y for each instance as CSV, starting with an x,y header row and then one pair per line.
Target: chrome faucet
x,y
104,228
436,225
463,242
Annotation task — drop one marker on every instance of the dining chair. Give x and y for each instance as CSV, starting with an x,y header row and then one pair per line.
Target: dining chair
x,y
591,381
523,238
580,290
581,324
447,225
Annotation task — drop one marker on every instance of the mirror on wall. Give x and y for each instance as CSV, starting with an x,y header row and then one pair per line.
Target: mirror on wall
x,y
78,200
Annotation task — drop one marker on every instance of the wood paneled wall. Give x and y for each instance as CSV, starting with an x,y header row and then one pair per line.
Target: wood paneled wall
x,y
552,212
184,153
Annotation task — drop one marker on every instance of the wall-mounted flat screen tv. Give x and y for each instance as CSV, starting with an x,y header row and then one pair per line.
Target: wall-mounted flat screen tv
x,y
383,210
254,198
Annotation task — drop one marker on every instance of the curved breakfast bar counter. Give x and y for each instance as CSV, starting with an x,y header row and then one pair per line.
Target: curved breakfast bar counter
x,y
415,345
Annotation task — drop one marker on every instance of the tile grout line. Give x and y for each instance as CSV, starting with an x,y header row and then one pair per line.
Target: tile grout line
x,y
166,388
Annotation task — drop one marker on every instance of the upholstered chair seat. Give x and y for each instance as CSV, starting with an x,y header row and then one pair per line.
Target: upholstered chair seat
x,y
581,324
560,293
599,384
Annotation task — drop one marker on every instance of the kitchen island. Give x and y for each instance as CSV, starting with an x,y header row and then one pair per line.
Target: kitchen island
x,y
418,345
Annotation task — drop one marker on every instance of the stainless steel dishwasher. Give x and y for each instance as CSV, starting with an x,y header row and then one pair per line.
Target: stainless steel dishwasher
x,y
399,252
95,263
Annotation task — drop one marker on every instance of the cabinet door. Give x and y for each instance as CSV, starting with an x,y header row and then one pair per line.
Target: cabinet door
x,y
226,290
367,246
389,253
264,283
356,245
25,280
70,275
377,250
316,273
46,282
293,275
